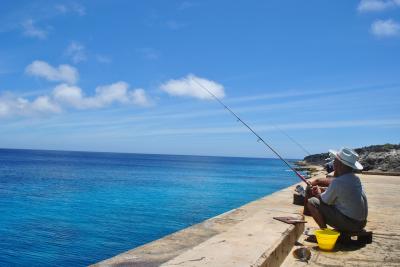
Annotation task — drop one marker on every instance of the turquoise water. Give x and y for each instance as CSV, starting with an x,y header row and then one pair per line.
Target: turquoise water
x,y
62,208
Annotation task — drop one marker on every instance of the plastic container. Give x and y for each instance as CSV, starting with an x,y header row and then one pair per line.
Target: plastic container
x,y
326,238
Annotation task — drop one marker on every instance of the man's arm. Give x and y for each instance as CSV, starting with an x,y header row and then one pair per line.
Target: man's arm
x,y
329,196
325,182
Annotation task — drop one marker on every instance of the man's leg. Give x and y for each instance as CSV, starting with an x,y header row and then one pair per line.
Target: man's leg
x,y
307,196
313,206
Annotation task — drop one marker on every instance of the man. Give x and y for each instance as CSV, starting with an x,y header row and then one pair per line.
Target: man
x,y
344,204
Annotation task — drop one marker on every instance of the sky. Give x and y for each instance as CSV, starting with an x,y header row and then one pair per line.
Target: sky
x,y
125,76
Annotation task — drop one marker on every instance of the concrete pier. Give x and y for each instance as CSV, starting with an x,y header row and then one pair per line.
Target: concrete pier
x,y
246,236
249,236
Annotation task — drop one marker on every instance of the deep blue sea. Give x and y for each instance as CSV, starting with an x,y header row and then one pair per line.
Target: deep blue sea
x,y
62,208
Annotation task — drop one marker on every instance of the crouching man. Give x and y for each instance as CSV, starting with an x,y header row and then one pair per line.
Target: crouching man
x,y
344,204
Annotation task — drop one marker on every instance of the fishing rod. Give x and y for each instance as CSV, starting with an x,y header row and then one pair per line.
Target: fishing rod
x,y
260,139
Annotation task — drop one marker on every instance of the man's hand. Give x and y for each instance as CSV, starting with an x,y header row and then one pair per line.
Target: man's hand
x,y
316,191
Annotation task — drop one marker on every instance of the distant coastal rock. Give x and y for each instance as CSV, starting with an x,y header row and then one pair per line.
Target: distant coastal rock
x,y
384,158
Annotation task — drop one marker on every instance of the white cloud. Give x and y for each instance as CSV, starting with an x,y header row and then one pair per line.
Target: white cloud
x,y
139,97
4,108
61,8
189,87
385,28
31,30
78,8
108,94
62,73
105,96
45,104
76,52
186,5
70,96
11,105
71,8
103,59
376,5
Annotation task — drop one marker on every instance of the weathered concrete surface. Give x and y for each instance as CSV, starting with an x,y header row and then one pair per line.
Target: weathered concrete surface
x,y
383,193
247,236
258,241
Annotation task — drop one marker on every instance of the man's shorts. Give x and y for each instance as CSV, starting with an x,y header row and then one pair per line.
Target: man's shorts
x,y
335,218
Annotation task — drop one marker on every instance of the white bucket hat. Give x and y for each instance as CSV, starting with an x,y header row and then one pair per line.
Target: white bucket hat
x,y
348,157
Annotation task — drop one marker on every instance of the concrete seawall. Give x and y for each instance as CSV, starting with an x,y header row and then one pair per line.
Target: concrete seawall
x,y
249,236
246,236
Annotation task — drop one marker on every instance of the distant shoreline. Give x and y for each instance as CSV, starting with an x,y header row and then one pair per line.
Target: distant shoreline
x,y
378,159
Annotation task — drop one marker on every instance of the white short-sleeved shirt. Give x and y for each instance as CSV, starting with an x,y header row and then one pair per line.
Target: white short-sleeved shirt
x,y
347,195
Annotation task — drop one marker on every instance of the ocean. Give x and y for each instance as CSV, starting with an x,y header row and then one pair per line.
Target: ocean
x,y
61,208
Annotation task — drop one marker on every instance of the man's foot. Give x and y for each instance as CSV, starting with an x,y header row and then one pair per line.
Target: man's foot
x,y
311,239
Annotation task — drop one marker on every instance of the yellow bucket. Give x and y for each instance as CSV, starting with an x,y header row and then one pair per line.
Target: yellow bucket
x,y
326,238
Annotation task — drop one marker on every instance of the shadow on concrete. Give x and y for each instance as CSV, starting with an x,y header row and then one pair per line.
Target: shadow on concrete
x,y
342,247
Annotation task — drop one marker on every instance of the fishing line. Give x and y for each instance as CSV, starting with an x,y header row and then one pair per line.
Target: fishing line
x,y
260,139
291,139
